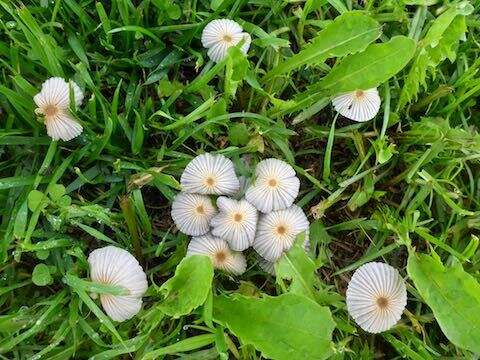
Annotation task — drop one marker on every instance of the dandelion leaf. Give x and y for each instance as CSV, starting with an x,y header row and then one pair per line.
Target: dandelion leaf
x,y
439,44
370,68
347,34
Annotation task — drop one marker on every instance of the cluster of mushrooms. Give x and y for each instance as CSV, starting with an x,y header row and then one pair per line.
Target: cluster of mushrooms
x,y
260,214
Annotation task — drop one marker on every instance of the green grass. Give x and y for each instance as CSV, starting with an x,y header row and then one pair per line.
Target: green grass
x,y
404,183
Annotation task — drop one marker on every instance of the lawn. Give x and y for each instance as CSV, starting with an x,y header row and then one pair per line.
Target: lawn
x,y
123,177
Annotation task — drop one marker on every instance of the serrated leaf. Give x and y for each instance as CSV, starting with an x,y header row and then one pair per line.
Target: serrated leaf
x,y
347,34
189,287
370,68
439,44
452,294
286,327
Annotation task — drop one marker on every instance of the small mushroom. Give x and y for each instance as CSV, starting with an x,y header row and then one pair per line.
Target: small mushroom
x,y
236,222
221,34
275,187
358,105
111,265
376,297
192,213
217,249
53,102
210,174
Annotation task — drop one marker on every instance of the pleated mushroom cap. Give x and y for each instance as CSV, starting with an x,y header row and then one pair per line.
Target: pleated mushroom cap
x,y
358,105
376,297
275,187
114,266
236,222
210,174
192,213
277,231
221,34
217,249
53,103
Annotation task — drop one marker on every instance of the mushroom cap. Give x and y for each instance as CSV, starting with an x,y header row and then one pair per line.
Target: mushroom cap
x,y
217,249
376,297
269,266
236,222
275,187
277,231
210,174
53,102
358,105
114,266
221,34
56,91
192,213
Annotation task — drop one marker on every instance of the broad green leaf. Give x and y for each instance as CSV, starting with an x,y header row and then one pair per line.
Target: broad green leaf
x,y
235,70
288,326
370,68
37,199
56,191
41,275
189,287
347,34
452,294
296,265
441,24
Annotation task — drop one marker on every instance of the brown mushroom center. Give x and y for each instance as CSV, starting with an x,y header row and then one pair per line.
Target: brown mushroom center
x,y
210,181
220,257
237,217
272,182
382,302
281,230
200,210
50,110
359,94
227,38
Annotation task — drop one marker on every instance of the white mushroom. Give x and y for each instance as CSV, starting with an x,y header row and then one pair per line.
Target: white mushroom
x,y
217,249
111,265
210,174
221,34
275,187
236,222
277,231
53,103
192,213
358,105
376,297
